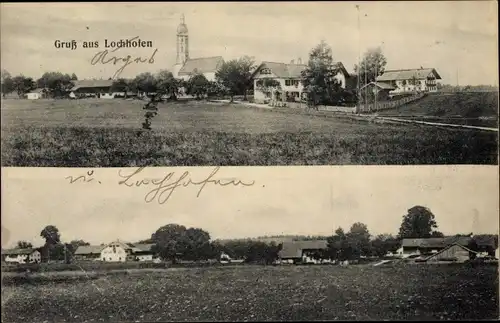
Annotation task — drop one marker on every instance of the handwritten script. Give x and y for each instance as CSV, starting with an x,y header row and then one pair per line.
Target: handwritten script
x,y
102,58
162,188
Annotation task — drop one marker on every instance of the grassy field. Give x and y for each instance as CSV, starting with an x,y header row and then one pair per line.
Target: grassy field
x,y
415,292
94,133
468,108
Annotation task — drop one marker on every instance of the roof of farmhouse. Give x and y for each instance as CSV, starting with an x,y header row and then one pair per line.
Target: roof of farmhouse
x,y
382,85
408,74
201,65
283,70
435,242
14,252
139,247
91,84
293,249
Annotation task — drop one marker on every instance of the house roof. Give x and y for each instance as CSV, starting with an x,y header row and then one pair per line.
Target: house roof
x,y
435,242
381,85
87,250
14,252
294,249
448,247
201,65
408,74
283,70
91,84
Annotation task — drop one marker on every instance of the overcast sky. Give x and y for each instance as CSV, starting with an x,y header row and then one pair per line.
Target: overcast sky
x,y
456,38
283,200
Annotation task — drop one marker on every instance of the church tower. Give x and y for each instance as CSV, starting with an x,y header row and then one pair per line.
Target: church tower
x,y
182,42
182,46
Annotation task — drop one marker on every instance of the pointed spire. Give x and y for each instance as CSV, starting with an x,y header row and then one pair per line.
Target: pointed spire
x,y
183,19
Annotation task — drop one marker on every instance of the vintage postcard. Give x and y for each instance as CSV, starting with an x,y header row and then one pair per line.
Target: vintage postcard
x,y
156,161
249,84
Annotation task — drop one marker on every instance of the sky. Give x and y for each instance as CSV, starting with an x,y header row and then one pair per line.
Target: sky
x,y
459,39
283,200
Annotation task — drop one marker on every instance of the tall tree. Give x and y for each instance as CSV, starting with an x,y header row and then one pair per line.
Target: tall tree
x,y
52,238
247,65
7,83
198,85
359,239
372,65
384,243
168,84
56,83
146,83
233,76
319,79
24,245
23,85
419,222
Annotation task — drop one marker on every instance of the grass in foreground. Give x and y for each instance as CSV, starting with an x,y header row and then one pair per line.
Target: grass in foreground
x,y
196,133
415,292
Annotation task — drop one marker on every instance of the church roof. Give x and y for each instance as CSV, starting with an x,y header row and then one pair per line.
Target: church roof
x,y
201,65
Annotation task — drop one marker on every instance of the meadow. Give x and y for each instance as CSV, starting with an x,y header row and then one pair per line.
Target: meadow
x,y
107,133
466,108
397,292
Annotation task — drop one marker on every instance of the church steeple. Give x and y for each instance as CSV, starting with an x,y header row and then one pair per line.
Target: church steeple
x,y
182,42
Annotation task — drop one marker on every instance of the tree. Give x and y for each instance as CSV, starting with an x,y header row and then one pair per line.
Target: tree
x,y
359,239
146,83
52,238
319,79
56,83
268,86
419,222
197,86
437,234
74,77
23,85
74,244
168,84
384,243
372,65
7,83
24,245
234,75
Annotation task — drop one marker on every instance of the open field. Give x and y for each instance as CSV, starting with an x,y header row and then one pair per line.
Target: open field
x,y
93,133
414,292
467,108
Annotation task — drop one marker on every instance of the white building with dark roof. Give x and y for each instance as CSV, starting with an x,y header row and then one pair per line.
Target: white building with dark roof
x,y
410,80
21,256
116,251
185,66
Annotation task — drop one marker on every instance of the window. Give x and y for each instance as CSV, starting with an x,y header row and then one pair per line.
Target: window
x,y
265,71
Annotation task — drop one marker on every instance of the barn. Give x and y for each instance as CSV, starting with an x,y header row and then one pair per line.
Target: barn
x,y
455,252
302,251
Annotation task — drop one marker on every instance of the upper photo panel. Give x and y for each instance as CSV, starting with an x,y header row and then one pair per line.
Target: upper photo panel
x,y
249,84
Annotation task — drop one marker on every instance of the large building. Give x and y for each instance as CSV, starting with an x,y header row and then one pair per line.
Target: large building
x,y
289,78
185,66
302,251
410,80
116,251
21,256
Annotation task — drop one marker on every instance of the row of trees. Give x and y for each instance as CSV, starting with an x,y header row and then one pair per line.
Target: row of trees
x,y
54,84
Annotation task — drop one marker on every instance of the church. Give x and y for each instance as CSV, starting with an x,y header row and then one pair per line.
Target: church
x,y
185,66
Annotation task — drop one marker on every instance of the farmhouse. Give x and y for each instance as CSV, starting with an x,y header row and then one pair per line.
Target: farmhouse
x,y
271,76
97,88
185,66
35,94
116,251
410,80
21,256
302,251
379,90
454,252
423,246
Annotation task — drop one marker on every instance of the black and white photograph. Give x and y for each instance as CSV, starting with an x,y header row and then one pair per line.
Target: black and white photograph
x,y
397,243
249,84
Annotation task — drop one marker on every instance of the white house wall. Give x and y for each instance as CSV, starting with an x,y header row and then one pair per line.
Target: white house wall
x,y
113,254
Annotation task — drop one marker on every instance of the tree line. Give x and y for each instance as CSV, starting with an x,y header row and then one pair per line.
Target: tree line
x,y
234,77
174,242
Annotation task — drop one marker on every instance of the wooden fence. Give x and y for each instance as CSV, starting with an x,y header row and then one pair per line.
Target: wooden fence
x,y
372,107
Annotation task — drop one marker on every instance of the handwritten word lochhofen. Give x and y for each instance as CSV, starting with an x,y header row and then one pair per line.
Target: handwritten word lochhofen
x,y
165,187
101,57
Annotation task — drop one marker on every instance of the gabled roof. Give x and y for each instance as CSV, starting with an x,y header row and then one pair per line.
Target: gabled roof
x,y
14,252
87,250
201,65
435,242
408,74
294,249
448,247
381,85
283,70
91,84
